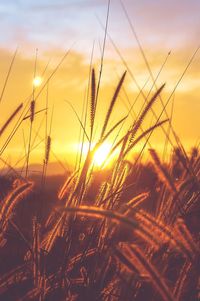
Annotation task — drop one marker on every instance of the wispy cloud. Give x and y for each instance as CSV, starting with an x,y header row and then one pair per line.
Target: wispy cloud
x,y
52,22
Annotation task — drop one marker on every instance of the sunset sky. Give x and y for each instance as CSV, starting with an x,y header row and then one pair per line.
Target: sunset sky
x,y
54,26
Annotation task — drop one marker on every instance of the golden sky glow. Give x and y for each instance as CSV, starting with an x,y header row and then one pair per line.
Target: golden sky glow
x,y
55,26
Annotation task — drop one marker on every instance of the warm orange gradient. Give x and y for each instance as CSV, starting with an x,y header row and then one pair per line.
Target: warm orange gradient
x,y
70,83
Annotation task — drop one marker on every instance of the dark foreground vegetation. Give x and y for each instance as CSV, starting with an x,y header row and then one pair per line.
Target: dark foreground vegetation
x,y
140,244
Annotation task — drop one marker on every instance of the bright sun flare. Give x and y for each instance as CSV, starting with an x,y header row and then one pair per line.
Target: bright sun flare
x,y
37,81
101,154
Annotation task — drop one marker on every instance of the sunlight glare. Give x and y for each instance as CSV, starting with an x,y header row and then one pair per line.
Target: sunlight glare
x,y
37,81
101,154
102,157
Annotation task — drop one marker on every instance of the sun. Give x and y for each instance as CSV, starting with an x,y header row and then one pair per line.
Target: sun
x,y
103,157
37,81
102,154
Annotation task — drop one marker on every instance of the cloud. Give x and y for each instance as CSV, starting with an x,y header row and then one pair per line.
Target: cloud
x,y
54,6
47,24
